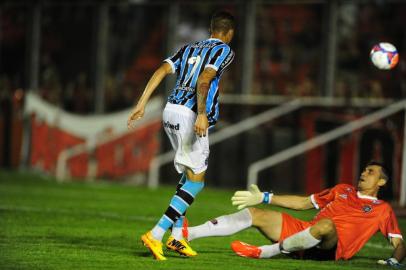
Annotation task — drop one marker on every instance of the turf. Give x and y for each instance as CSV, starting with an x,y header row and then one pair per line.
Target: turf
x,y
50,225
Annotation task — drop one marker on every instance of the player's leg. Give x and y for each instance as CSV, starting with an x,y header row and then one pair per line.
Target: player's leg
x,y
221,226
325,230
153,239
322,233
182,199
193,156
190,158
194,183
267,221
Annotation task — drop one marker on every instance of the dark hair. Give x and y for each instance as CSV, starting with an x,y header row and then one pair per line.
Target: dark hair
x,y
222,21
384,171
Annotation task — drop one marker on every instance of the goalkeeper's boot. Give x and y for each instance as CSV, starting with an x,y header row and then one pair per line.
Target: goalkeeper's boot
x,y
245,250
155,246
180,246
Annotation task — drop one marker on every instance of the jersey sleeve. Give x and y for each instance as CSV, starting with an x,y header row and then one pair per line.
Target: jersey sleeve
x,y
176,59
389,226
220,58
321,199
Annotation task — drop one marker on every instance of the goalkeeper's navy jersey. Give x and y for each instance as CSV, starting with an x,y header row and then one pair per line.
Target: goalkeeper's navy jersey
x,y
188,63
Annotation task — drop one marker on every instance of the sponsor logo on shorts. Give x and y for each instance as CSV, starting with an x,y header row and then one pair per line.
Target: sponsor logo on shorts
x,y
167,124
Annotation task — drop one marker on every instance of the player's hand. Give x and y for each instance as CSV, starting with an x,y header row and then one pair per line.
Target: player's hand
x,y
392,262
135,115
250,197
201,125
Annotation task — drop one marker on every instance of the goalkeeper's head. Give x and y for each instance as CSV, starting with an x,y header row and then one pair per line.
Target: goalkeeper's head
x,y
374,176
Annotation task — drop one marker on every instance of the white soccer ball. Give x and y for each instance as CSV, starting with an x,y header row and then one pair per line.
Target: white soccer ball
x,y
384,55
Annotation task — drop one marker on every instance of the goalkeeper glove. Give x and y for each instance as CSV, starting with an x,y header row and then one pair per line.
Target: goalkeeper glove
x,y
250,197
392,262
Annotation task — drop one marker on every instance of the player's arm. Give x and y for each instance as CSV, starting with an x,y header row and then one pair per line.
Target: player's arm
x,y
254,196
203,86
390,228
292,202
152,84
399,252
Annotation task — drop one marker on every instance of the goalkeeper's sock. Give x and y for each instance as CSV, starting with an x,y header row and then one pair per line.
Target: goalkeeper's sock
x,y
222,226
269,251
183,198
299,241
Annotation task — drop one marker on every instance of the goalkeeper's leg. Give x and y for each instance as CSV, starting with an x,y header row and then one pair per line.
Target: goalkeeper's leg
x,y
268,222
305,239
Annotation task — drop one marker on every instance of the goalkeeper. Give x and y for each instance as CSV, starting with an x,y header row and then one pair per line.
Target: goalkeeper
x,y
347,219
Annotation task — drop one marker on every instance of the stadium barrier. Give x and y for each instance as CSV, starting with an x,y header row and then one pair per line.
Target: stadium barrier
x,y
301,148
75,146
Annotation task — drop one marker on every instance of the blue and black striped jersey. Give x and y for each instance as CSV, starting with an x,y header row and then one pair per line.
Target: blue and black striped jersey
x,y
188,63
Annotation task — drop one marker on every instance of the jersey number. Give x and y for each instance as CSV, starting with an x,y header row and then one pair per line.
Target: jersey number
x,y
195,61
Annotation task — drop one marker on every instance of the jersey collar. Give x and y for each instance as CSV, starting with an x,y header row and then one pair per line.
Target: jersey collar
x,y
215,39
365,196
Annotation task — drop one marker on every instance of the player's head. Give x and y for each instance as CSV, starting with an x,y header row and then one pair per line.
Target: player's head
x,y
222,25
373,177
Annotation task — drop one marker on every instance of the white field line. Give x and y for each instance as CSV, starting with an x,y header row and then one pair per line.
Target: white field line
x,y
107,215
378,246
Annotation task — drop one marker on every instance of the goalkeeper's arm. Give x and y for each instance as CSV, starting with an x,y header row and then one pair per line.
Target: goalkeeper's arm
x,y
254,196
399,253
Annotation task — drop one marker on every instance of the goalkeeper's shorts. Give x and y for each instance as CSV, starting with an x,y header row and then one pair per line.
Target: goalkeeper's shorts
x,y
191,150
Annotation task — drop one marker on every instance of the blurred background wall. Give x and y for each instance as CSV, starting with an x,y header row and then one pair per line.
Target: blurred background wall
x,y
92,59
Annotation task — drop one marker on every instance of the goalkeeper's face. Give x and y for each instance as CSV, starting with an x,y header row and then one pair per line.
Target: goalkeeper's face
x,y
371,178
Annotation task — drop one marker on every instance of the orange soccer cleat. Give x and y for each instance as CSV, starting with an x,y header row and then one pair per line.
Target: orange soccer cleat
x,y
245,250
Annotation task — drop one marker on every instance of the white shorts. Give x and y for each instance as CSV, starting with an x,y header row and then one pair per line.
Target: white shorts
x,y
192,151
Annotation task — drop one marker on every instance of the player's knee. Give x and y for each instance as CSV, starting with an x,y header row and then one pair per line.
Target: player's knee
x,y
257,216
195,177
260,217
325,226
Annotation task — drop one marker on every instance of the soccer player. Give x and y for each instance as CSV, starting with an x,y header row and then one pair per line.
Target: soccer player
x,y
348,217
192,109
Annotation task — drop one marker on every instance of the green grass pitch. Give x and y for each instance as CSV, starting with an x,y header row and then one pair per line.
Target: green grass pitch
x,y
49,225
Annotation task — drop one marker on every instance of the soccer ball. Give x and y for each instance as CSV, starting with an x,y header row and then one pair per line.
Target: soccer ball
x,y
384,55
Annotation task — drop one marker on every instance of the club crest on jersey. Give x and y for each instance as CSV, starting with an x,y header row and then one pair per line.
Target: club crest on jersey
x,y
366,208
